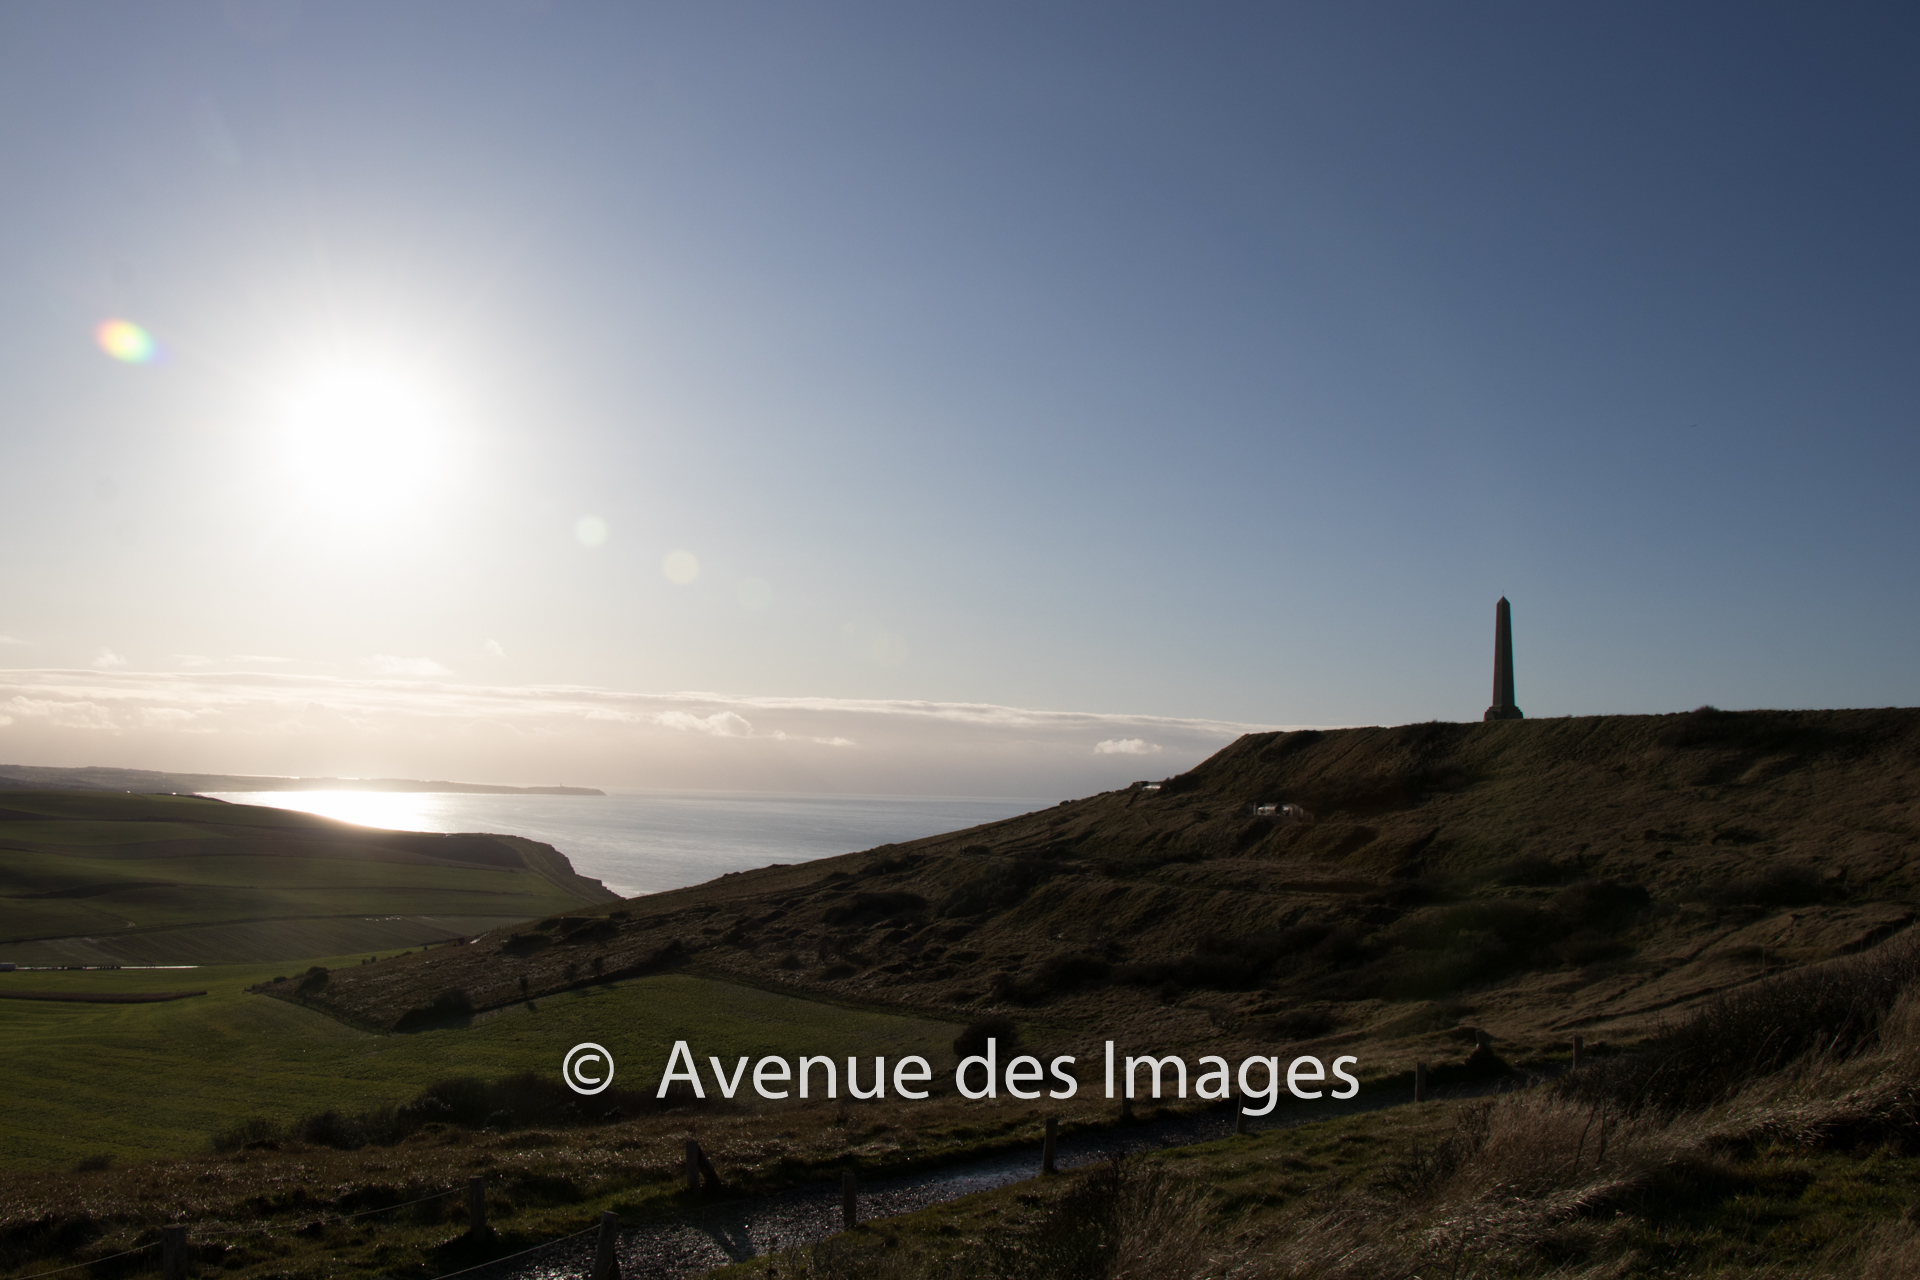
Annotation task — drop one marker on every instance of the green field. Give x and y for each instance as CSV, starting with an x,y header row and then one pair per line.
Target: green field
x,y
106,878
140,1081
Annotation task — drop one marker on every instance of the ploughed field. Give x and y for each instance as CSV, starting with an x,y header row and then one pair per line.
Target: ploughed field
x,y
112,878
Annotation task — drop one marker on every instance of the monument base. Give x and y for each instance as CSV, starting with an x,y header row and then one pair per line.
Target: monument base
x,y
1503,713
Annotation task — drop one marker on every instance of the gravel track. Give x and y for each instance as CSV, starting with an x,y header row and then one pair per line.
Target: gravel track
x,y
734,1230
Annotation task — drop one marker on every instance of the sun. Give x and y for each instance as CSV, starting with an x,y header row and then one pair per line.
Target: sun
x,y
364,439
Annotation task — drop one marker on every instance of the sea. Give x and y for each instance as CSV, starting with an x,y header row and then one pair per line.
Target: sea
x,y
649,841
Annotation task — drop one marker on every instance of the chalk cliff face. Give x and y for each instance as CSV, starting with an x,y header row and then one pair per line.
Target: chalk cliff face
x,y
1527,877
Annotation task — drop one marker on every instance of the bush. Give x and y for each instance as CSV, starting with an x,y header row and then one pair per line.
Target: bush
x,y
519,1101
973,1041
447,1006
256,1131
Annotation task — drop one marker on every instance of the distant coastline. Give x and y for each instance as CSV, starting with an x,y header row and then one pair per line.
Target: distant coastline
x,y
19,777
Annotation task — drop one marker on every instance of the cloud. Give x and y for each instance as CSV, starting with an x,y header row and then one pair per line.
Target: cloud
x,y
59,713
781,735
493,650
1126,747
387,664
107,659
385,724
721,724
11,640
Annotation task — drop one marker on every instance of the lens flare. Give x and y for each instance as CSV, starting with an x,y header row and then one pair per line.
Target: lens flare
x,y
126,341
681,567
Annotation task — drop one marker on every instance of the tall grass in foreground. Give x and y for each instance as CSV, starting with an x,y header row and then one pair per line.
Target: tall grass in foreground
x,y
1660,1164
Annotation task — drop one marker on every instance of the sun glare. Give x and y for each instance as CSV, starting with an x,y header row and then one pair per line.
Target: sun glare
x,y
363,439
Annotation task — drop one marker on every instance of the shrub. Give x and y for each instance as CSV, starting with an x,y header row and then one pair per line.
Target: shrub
x,y
1426,1166
514,1101
256,1131
447,1006
973,1041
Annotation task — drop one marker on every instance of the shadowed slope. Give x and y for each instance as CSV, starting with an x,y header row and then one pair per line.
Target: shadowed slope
x,y
1532,877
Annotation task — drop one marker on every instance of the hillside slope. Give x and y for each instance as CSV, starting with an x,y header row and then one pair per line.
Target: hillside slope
x,y
1530,878
109,878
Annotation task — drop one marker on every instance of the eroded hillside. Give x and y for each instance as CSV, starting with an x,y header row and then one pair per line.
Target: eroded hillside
x,y
1531,878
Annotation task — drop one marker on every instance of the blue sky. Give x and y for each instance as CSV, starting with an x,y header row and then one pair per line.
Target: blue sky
x,y
1217,364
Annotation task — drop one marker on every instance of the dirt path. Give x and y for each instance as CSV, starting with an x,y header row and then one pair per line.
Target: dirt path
x,y
733,1231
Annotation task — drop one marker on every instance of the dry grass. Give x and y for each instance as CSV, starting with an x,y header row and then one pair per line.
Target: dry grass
x,y
1807,1170
278,1212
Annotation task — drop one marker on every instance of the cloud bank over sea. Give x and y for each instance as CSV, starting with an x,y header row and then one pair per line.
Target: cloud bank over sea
x,y
288,724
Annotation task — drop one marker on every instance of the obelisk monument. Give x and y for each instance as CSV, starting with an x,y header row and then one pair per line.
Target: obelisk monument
x,y
1503,708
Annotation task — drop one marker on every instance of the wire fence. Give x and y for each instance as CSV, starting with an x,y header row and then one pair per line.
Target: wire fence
x,y
728,1221
91,1262
334,1221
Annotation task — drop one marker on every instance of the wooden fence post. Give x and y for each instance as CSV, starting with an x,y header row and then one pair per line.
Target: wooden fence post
x,y
173,1253
1046,1145
849,1210
1419,1082
1126,1107
606,1258
693,1165
1239,1114
707,1171
1579,1043
476,1206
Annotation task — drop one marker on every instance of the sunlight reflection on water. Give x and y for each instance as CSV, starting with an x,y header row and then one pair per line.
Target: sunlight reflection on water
x,y
651,841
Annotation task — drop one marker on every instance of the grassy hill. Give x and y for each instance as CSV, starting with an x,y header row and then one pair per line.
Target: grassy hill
x,y
1527,878
1719,902
111,878
134,1081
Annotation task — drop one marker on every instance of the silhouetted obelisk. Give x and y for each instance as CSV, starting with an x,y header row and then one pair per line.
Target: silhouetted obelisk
x,y
1503,708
